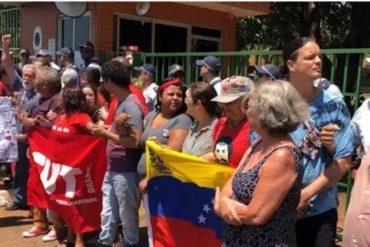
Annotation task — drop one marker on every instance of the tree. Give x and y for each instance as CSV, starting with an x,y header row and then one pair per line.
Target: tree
x,y
332,24
328,22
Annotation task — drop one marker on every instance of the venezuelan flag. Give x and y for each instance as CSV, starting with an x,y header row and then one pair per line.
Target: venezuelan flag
x,y
181,191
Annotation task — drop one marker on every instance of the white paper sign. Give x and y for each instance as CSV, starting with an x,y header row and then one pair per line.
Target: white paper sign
x,y
51,48
8,131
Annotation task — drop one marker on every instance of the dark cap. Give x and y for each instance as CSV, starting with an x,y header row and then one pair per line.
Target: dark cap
x,y
24,51
269,69
210,62
66,52
174,68
87,44
43,53
147,68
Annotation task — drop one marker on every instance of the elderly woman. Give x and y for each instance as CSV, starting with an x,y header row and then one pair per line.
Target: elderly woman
x,y
205,114
258,202
168,125
323,167
231,133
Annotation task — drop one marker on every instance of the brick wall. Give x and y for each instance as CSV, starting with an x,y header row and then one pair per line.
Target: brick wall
x,y
173,12
43,14
102,27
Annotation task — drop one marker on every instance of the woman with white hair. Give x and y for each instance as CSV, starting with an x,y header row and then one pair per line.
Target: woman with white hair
x,y
258,202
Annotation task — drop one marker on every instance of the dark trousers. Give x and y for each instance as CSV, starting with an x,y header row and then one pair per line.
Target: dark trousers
x,y
318,230
21,175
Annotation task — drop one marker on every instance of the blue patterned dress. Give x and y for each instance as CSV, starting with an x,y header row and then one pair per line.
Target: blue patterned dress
x,y
279,230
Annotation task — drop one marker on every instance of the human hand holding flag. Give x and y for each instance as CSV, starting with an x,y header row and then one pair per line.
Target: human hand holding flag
x,y
181,191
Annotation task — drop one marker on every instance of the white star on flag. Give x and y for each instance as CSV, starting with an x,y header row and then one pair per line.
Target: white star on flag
x,y
206,208
202,219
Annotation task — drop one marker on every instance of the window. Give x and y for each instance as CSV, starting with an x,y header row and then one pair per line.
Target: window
x,y
205,39
170,38
136,33
73,32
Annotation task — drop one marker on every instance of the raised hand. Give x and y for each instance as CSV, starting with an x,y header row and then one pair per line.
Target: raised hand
x,y
6,39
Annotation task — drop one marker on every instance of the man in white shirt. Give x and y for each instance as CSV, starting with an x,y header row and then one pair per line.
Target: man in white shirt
x,y
360,122
147,75
209,70
69,73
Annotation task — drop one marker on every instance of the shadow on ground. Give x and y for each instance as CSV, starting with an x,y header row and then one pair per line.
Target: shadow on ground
x,y
14,221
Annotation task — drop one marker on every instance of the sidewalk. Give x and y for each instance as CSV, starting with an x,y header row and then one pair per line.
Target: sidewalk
x,y
13,223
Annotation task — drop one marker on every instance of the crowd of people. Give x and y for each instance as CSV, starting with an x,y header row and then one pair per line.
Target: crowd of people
x,y
289,142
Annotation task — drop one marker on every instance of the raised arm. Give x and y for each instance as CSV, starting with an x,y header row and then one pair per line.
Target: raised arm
x,y
6,61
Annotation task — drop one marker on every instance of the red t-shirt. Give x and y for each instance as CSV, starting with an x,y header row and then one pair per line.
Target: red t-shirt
x,y
139,95
114,102
74,124
230,144
3,89
112,109
100,100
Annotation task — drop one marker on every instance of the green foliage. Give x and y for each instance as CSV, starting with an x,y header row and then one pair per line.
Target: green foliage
x,y
336,25
288,20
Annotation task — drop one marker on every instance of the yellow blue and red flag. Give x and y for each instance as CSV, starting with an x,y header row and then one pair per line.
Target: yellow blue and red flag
x,y
181,189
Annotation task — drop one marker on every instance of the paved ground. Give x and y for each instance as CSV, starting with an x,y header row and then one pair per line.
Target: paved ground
x,y
13,223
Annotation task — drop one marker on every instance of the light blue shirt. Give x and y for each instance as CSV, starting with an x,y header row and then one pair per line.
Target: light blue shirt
x,y
326,109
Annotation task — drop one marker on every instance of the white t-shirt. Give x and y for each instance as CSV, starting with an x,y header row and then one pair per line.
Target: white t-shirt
x,y
360,122
150,94
216,83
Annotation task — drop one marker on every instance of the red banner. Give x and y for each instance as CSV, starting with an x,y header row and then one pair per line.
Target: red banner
x,y
66,175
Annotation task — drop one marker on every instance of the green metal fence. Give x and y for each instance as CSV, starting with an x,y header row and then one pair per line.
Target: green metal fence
x,y
348,68
10,23
345,67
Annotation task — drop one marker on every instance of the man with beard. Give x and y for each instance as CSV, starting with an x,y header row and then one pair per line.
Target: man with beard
x,y
26,100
